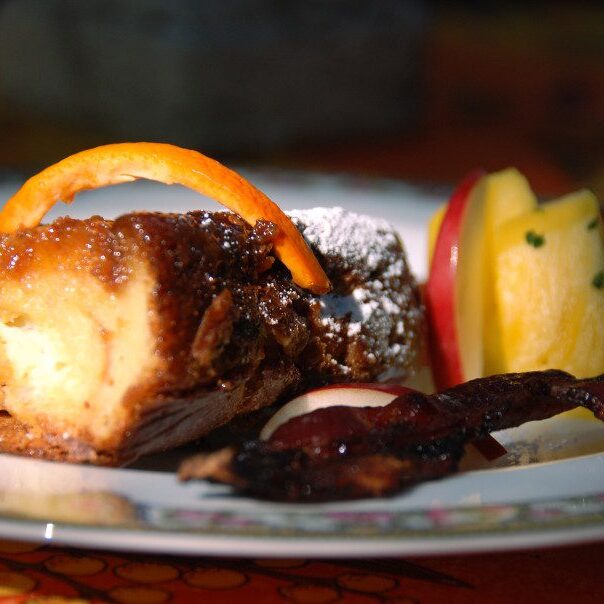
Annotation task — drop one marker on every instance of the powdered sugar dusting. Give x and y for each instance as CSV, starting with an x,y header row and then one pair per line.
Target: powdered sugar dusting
x,y
359,240
375,307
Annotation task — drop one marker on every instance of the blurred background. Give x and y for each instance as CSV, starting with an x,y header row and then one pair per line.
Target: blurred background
x,y
410,89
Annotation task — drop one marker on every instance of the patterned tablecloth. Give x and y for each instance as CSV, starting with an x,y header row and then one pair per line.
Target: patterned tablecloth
x,y
34,574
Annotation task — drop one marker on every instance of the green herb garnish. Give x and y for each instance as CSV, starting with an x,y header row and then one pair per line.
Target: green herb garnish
x,y
598,280
592,224
534,239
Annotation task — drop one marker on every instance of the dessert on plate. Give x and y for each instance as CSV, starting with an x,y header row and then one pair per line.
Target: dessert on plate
x,y
124,337
129,336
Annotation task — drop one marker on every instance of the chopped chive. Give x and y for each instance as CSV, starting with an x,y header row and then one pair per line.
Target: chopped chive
x,y
592,224
534,239
598,280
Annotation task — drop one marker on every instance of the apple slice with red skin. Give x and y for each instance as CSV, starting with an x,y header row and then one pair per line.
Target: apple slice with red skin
x,y
346,395
453,295
454,359
355,395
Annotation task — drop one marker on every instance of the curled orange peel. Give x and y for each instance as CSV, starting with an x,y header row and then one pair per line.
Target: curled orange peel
x,y
169,164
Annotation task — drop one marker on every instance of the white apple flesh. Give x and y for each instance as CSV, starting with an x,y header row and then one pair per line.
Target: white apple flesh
x,y
346,395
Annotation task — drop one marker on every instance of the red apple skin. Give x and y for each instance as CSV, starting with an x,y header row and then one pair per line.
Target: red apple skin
x,y
439,293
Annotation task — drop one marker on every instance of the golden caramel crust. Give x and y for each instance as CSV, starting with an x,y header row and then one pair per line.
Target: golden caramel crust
x,y
91,246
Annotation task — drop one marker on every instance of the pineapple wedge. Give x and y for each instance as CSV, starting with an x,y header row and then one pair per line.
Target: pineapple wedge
x,y
548,289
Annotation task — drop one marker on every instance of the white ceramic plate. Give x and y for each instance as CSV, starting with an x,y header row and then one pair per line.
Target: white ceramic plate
x,y
548,490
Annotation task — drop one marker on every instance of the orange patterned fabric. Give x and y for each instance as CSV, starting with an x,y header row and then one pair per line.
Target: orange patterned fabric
x,y
35,574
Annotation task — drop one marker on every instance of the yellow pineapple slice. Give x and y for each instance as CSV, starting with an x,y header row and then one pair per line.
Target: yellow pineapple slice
x,y
549,288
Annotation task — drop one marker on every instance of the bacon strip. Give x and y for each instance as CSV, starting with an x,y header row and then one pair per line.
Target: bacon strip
x,y
351,452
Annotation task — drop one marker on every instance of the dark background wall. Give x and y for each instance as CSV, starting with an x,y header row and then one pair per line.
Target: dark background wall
x,y
407,88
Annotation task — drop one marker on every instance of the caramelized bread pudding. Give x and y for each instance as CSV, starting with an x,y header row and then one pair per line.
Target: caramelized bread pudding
x,y
128,336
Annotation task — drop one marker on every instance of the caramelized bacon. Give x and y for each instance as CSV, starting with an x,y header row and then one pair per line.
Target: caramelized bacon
x,y
351,452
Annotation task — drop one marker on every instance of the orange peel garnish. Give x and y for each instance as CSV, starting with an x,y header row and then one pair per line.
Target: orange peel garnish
x,y
169,164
